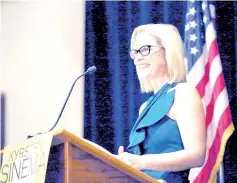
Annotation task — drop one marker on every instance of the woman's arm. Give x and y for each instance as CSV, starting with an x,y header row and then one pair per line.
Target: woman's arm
x,y
189,114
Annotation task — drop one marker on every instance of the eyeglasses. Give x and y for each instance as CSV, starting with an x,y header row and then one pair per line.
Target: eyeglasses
x,y
144,51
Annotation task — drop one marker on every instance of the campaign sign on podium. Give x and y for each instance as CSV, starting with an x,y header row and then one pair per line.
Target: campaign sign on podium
x,y
27,161
65,158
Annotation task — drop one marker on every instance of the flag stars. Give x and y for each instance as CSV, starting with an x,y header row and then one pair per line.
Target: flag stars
x,y
192,37
204,5
187,15
193,24
194,51
192,11
187,27
205,19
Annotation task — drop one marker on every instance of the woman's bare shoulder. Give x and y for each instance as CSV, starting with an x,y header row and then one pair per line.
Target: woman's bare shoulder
x,y
187,104
186,90
187,96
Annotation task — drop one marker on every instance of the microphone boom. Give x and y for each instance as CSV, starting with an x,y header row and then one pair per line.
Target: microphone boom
x,y
90,70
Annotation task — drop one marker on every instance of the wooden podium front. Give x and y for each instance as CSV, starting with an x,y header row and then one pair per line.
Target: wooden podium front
x,y
74,160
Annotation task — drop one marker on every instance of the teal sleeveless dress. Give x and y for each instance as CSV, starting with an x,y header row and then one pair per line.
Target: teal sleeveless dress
x,y
155,133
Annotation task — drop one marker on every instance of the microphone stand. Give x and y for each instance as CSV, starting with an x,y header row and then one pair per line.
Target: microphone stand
x,y
89,70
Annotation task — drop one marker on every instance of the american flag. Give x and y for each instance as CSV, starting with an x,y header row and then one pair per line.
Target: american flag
x,y
204,71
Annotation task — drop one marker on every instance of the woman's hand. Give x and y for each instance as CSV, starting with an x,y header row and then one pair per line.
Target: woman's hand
x,y
131,159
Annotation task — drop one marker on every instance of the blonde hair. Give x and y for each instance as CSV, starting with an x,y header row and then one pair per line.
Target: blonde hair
x,y
170,39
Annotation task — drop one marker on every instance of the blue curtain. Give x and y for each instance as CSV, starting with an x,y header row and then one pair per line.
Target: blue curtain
x,y
112,94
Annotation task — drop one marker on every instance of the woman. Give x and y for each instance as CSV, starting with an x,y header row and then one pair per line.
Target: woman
x,y
169,135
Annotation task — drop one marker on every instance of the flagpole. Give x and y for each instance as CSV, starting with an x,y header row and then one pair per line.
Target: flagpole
x,y
220,174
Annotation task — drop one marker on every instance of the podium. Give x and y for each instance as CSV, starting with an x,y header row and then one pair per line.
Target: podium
x,y
75,160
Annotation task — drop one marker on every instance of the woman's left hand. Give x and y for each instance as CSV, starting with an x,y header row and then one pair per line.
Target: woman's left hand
x,y
133,160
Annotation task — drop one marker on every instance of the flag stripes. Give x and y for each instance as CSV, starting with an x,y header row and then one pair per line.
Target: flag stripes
x,y
205,73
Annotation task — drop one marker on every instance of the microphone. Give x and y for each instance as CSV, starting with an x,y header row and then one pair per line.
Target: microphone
x,y
90,70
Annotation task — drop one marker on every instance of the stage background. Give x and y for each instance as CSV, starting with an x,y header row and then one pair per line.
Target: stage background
x,y
42,53
112,97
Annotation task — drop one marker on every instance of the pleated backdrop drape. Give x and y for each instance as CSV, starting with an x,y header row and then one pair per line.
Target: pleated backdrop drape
x,y
112,94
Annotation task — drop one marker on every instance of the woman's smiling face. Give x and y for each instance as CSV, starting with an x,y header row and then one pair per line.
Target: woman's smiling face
x,y
153,64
